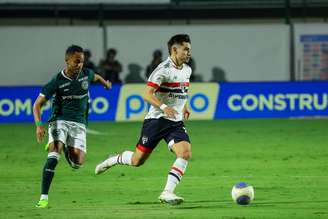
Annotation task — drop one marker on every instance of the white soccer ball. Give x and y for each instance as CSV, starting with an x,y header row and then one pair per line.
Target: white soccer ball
x,y
242,193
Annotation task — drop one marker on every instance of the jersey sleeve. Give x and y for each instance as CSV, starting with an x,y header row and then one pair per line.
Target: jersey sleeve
x,y
91,75
157,77
49,89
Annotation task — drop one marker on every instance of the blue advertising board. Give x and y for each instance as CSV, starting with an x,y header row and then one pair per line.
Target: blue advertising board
x,y
16,103
103,105
272,100
206,101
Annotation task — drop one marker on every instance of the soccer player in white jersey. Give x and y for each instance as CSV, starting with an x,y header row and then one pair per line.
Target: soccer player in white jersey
x,y
167,92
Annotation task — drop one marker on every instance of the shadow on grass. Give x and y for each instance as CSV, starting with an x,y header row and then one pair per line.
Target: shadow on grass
x,y
189,204
208,204
143,203
185,202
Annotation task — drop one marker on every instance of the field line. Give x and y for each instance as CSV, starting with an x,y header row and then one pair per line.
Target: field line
x,y
95,132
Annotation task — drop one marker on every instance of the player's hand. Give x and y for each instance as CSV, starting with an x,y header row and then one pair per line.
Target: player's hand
x,y
108,85
186,113
170,112
40,132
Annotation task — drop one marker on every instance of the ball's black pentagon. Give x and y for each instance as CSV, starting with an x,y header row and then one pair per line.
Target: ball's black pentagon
x,y
243,200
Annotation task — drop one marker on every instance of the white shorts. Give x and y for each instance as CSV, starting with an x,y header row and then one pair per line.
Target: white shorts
x,y
72,134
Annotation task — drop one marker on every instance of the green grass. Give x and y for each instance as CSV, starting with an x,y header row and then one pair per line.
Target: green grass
x,y
285,161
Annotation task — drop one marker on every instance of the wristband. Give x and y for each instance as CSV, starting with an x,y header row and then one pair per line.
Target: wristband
x,y
39,123
163,106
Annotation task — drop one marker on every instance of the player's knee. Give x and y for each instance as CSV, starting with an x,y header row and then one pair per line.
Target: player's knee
x,y
186,155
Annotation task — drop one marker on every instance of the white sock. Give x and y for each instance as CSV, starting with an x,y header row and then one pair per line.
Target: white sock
x,y
123,158
177,171
43,196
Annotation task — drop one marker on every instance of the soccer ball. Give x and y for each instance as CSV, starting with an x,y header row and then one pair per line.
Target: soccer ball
x,y
242,193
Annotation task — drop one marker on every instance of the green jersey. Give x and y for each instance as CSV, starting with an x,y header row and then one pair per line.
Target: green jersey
x,y
70,96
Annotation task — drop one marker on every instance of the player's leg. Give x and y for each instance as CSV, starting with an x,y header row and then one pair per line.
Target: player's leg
x,y
57,134
140,156
136,159
54,151
183,154
143,149
76,144
179,143
75,157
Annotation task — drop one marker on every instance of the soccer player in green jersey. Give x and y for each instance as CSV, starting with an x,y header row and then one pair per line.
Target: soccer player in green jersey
x,y
67,124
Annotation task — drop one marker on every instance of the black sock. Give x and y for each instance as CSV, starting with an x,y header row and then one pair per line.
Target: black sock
x,y
48,174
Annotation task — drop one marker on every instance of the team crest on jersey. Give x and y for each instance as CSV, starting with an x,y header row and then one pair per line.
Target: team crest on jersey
x,y
84,85
55,133
144,139
184,88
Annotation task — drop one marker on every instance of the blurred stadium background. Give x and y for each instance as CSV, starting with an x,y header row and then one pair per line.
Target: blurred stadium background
x,y
258,99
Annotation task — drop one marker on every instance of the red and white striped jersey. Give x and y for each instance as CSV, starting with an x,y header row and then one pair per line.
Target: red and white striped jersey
x,y
172,86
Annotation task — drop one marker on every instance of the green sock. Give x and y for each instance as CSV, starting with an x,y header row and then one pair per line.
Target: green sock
x,y
48,174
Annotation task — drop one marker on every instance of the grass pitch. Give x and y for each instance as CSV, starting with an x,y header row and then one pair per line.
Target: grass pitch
x,y
285,161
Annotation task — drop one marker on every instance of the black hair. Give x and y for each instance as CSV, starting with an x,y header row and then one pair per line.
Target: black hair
x,y
87,52
72,49
157,53
111,51
178,39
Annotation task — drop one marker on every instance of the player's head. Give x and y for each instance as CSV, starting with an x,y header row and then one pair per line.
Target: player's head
x,y
157,54
74,58
111,53
180,47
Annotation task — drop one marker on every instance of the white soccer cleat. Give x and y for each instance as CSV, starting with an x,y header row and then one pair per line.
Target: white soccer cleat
x,y
170,198
102,167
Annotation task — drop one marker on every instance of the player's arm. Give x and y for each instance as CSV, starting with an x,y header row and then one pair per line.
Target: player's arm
x,y
186,112
107,84
40,130
150,98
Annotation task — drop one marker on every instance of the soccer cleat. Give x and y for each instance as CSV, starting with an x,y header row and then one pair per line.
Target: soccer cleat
x,y
43,203
170,198
102,167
